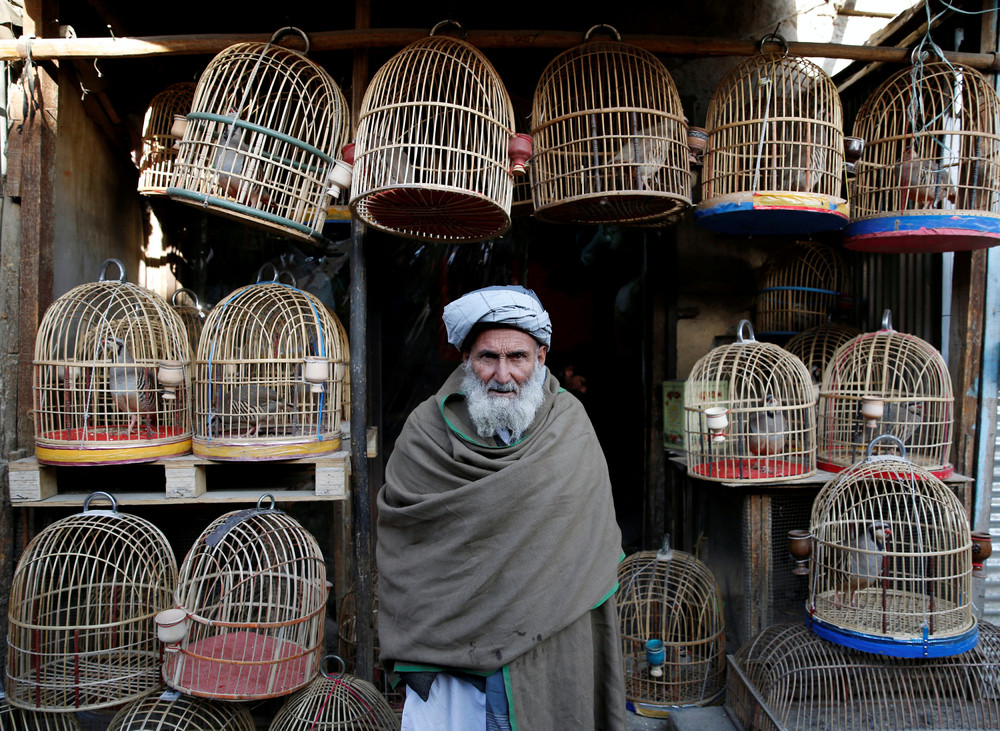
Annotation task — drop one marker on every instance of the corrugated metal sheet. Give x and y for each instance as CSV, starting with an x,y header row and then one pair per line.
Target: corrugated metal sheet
x,y
991,606
907,284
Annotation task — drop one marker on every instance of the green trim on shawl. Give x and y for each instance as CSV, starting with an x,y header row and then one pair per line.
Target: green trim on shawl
x,y
509,688
466,437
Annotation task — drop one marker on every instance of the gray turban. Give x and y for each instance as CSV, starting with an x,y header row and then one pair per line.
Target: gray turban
x,y
509,306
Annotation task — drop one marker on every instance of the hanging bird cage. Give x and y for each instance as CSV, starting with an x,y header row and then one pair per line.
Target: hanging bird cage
x,y
110,376
270,375
788,678
262,139
798,287
436,152
159,139
750,414
928,179
336,702
80,626
775,156
816,346
157,711
192,315
891,560
672,629
17,719
250,608
610,137
886,382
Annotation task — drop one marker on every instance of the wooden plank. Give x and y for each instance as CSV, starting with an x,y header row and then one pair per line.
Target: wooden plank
x,y
965,352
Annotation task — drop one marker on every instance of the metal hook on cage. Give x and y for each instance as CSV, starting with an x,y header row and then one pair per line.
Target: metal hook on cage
x,y
190,293
887,319
773,38
260,500
890,437
104,270
287,30
444,23
739,333
277,274
108,495
609,29
326,673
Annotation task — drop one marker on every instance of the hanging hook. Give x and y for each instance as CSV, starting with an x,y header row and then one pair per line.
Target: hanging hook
x,y
739,333
773,38
444,23
609,29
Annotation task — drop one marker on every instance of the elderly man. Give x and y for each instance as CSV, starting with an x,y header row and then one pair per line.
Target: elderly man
x,y
497,541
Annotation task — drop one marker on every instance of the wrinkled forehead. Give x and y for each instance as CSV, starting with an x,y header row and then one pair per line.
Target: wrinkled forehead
x,y
503,341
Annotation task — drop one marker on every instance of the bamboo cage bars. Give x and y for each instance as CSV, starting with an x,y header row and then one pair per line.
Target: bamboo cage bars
x,y
270,376
798,287
610,138
80,625
262,137
18,719
671,597
153,712
336,702
816,346
253,590
749,414
905,380
928,179
159,144
110,376
891,568
433,155
787,678
192,315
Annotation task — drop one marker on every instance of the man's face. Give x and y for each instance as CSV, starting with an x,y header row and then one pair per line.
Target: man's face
x,y
506,358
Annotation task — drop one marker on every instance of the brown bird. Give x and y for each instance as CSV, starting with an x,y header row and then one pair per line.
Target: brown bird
x,y
865,552
802,168
645,154
922,181
252,407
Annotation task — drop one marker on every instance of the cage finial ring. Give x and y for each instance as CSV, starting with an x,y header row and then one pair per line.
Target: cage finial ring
x,y
108,495
887,319
104,269
739,332
890,437
287,30
190,293
326,673
609,29
773,38
260,501
438,26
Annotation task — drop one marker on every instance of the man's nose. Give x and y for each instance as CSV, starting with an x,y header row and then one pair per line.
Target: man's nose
x,y
502,373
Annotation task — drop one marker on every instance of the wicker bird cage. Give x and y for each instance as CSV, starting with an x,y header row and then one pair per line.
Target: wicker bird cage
x,y
110,376
252,595
262,139
157,711
750,414
610,137
928,179
903,382
192,315
336,702
80,627
816,346
788,678
672,629
891,568
433,157
18,719
270,375
159,139
798,287
775,156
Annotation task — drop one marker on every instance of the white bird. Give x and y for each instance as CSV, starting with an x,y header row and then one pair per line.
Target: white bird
x,y
765,429
923,182
233,169
864,554
645,154
130,385
901,419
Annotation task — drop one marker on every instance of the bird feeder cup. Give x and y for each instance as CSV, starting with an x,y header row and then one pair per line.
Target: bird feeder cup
x,y
982,549
159,138
610,137
800,548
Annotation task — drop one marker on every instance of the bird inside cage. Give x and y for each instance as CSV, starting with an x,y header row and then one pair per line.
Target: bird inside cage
x,y
766,432
924,181
131,387
863,562
644,154
249,410
237,166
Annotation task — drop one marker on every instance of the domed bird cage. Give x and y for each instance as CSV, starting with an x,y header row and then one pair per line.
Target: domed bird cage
x,y
886,382
270,375
250,607
18,719
749,414
80,626
891,568
816,346
436,152
928,179
610,137
262,139
110,376
798,287
336,702
157,711
673,631
775,157
192,315
159,141
788,678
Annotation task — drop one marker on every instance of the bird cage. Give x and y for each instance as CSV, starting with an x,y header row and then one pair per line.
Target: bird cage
x,y
19,719
816,346
610,136
157,711
891,568
886,382
250,608
192,315
775,156
110,376
336,702
788,678
80,626
672,629
928,179
749,414
262,138
436,152
159,141
798,287
270,374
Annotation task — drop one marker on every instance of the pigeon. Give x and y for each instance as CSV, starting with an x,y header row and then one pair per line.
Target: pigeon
x,y
130,385
901,419
234,172
864,551
253,407
923,182
765,429
646,151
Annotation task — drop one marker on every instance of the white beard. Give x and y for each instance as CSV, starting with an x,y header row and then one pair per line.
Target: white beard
x,y
490,414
